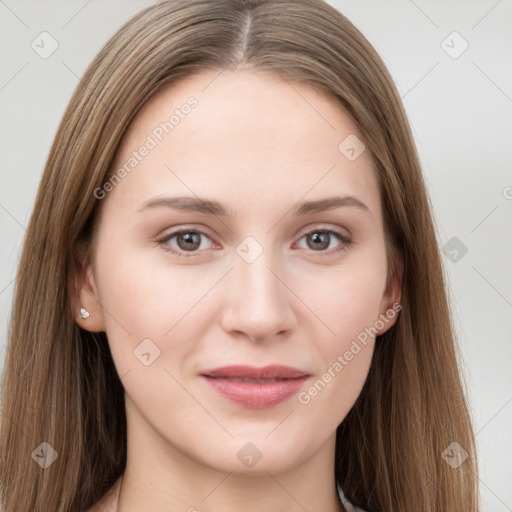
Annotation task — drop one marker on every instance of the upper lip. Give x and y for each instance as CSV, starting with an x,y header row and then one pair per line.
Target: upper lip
x,y
274,371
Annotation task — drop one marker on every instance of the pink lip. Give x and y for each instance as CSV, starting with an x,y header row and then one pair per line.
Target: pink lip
x,y
264,387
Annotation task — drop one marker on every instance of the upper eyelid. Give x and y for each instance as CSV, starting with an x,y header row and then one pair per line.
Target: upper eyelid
x,y
205,231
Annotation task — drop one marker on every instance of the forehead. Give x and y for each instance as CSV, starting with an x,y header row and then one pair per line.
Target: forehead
x,y
248,134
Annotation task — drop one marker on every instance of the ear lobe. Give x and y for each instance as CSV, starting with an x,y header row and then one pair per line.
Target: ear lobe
x,y
390,305
84,294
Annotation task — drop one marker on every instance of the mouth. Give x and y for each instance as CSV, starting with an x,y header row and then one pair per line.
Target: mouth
x,y
255,388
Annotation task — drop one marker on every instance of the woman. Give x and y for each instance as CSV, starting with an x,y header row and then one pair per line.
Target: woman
x,y
230,295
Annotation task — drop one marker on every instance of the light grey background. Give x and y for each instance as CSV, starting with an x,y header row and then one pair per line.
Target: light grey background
x,y
460,110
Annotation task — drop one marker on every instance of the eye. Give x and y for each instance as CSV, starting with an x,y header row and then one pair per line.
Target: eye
x,y
190,241
187,240
320,239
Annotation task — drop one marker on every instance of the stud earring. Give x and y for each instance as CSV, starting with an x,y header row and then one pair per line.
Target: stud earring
x,y
84,314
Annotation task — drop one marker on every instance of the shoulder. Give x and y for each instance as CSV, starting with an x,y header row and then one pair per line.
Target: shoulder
x,y
107,503
351,508
348,506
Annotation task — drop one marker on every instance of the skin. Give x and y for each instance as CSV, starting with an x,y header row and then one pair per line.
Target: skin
x,y
258,145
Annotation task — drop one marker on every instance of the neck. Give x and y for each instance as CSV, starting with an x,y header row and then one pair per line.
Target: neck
x,y
161,477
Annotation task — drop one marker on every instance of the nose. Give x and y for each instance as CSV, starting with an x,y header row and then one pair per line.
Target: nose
x,y
260,305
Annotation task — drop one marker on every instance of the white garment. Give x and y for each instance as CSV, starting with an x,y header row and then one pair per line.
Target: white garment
x,y
347,504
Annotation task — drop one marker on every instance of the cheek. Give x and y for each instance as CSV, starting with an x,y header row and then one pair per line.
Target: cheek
x,y
146,298
347,298
345,357
348,305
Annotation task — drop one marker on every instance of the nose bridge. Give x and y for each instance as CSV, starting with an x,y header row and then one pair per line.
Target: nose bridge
x,y
260,302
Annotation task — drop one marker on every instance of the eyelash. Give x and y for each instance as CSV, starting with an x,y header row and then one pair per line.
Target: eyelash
x,y
346,241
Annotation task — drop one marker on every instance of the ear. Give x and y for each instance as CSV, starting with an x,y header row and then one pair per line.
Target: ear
x,y
83,292
390,304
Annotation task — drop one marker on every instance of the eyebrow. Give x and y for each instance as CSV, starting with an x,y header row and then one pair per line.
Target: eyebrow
x,y
210,207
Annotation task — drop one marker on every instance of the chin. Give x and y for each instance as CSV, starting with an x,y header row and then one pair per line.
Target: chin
x,y
254,456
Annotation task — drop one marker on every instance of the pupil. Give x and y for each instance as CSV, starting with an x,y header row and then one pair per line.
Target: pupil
x,y
321,237
189,238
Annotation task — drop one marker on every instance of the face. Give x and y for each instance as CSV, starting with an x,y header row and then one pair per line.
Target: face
x,y
254,270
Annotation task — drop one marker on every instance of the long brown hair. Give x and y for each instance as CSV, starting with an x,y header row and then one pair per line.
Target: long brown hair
x,y
60,385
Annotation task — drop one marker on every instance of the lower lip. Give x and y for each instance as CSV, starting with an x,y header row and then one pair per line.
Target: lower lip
x,y
256,395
